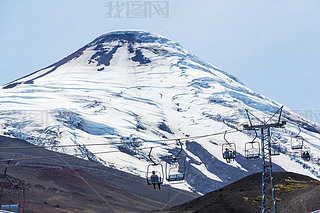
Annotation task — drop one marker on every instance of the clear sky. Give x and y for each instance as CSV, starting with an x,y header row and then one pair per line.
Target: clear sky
x,y
272,46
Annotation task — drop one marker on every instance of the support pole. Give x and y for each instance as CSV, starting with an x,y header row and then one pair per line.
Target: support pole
x,y
268,201
268,198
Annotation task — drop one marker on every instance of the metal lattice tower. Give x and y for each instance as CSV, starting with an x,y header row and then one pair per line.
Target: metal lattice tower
x,y
268,198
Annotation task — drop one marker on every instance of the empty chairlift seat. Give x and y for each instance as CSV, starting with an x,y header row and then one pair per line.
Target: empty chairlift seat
x,y
275,149
10,208
252,150
175,177
296,141
175,169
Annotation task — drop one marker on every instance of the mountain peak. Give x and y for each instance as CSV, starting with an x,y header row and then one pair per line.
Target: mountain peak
x,y
133,36
123,48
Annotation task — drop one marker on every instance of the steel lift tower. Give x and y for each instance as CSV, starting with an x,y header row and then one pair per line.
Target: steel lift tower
x,y
268,199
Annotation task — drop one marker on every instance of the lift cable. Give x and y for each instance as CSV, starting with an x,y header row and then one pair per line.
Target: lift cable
x,y
116,143
82,154
105,152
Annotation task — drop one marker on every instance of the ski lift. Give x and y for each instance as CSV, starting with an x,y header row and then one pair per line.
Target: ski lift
x,y
275,147
228,149
155,172
305,153
252,148
176,167
297,141
12,195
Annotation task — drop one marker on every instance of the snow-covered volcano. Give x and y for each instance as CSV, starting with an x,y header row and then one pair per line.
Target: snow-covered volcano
x,y
138,86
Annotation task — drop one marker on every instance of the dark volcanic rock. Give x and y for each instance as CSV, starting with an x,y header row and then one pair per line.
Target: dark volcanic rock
x,y
295,193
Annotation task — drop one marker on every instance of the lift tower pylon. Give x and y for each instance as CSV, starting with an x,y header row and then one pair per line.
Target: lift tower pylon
x,y
268,198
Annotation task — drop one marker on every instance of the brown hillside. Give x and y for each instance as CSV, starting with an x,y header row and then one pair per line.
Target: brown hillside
x,y
295,194
74,185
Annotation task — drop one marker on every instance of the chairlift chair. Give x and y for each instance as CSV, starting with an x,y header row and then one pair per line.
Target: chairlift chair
x,y
157,168
176,167
252,149
296,141
305,153
228,149
275,147
12,195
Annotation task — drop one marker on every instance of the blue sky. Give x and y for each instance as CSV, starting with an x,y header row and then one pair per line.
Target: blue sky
x,y
272,46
